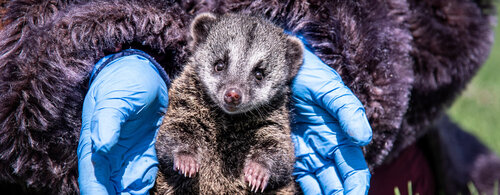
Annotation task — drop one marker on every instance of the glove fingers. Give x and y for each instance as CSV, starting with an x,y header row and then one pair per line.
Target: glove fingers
x,y
317,175
354,123
353,169
342,104
105,128
329,180
309,184
358,182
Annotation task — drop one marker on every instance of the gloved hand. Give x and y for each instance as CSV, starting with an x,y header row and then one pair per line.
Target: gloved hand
x,y
122,112
329,126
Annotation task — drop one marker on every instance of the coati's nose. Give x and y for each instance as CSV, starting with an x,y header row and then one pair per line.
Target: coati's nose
x,y
233,96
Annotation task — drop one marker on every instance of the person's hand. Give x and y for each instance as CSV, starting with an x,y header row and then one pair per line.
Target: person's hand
x,y
122,111
329,126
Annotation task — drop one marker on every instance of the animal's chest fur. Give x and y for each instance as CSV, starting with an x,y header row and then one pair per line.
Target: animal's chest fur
x,y
230,144
221,143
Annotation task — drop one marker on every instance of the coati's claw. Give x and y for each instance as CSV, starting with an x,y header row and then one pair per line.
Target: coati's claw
x,y
257,176
264,185
186,165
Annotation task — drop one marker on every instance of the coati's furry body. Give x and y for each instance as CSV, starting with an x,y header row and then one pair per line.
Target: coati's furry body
x,y
406,60
223,141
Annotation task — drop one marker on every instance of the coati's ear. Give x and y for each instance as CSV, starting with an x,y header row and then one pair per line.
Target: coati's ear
x,y
200,27
294,54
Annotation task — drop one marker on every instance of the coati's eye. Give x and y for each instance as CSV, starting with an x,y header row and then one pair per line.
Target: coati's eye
x,y
259,75
219,66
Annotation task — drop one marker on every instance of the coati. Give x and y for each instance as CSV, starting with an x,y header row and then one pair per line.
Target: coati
x,y
227,127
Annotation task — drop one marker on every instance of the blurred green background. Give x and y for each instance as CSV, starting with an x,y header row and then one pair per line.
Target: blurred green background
x,y
477,110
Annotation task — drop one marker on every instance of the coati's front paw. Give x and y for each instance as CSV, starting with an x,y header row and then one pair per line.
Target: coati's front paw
x,y
256,175
186,164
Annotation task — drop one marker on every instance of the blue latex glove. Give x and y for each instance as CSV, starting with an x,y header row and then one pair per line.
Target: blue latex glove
x,y
329,126
122,112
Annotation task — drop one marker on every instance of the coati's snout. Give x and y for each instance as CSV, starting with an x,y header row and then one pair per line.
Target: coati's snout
x,y
232,98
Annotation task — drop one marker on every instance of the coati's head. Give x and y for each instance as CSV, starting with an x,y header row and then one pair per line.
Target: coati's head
x,y
243,61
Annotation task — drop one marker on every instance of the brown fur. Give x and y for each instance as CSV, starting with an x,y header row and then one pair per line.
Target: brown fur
x,y
222,143
2,13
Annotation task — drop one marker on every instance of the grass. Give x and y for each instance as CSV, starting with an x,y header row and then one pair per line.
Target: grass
x,y
477,110
410,191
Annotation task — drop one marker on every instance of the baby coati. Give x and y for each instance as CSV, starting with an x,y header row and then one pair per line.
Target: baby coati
x,y
227,127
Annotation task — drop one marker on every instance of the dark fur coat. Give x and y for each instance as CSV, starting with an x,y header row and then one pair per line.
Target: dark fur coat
x,y
406,60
